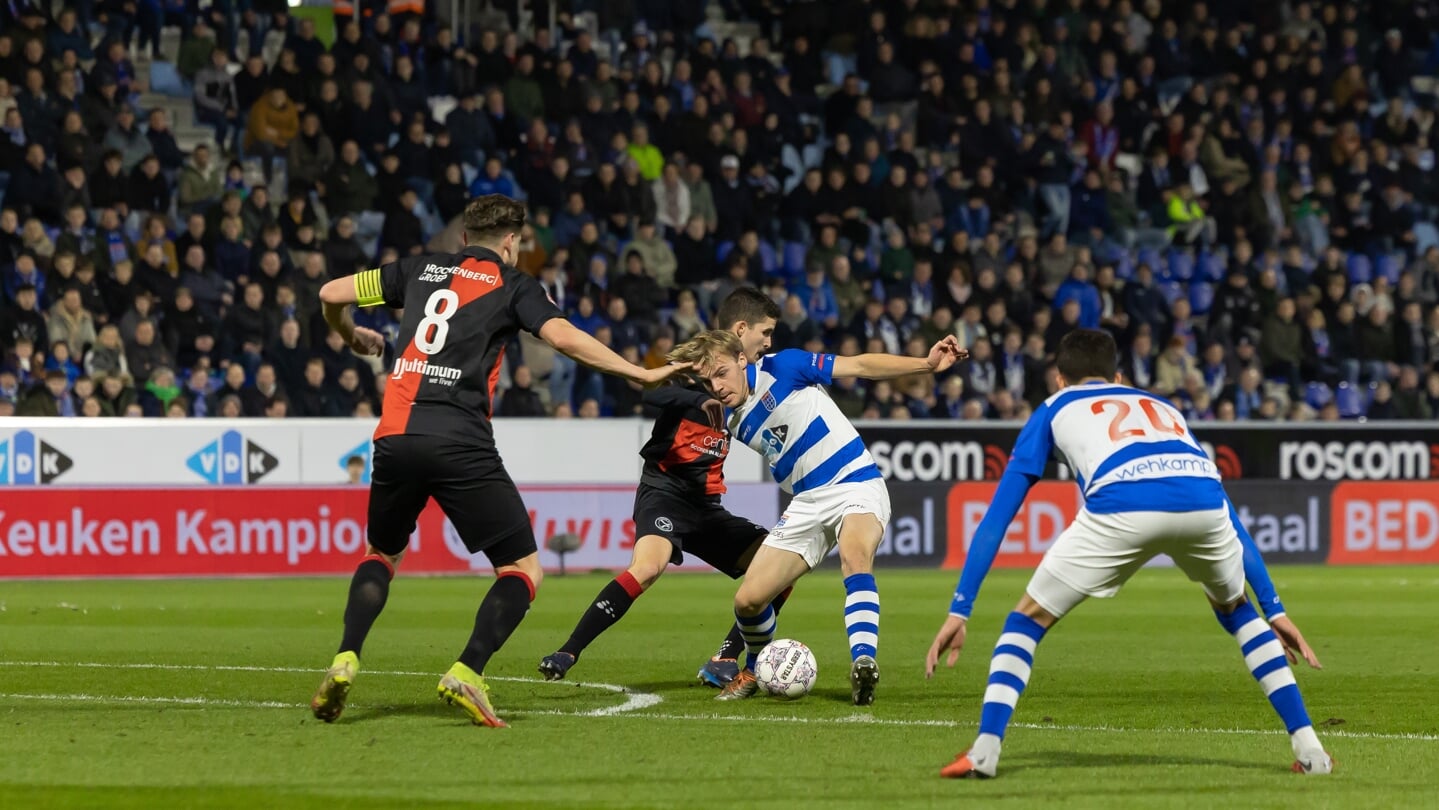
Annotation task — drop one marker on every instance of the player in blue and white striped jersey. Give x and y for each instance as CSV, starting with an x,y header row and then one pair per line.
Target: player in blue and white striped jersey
x,y
1148,489
780,410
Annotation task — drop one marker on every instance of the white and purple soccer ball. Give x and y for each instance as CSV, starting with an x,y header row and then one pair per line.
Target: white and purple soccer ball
x,y
786,669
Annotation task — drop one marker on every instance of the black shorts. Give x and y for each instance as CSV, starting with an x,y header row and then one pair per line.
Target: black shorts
x,y
468,482
702,527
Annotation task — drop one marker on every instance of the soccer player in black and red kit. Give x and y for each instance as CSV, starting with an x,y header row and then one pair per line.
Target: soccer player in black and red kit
x,y
677,504
435,440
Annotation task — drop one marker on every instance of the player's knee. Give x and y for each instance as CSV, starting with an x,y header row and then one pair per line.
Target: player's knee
x,y
529,567
749,603
393,559
855,561
646,573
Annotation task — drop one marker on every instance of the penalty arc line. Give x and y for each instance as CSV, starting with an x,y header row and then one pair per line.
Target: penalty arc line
x,y
634,700
854,720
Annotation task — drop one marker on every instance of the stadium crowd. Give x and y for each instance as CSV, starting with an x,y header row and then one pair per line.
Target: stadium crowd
x,y
1244,193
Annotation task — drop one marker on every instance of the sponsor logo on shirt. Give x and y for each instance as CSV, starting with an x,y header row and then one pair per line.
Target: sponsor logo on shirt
x,y
441,273
424,368
773,440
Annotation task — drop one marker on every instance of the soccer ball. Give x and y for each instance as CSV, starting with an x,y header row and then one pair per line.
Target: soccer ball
x,y
786,669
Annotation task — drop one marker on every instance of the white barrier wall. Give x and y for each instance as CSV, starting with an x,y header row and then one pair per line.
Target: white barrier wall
x,y
71,452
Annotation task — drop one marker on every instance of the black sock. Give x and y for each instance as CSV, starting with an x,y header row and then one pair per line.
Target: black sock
x,y
369,589
500,613
733,643
609,607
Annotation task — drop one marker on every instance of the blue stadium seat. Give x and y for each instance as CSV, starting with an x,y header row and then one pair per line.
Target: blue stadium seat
x,y
1389,266
1181,265
1124,267
1317,394
1350,402
723,250
794,258
1151,257
768,259
1172,290
165,79
1201,297
1361,270
1212,267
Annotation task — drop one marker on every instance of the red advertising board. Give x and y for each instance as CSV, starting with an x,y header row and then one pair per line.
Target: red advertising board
x,y
1050,507
1395,522
240,531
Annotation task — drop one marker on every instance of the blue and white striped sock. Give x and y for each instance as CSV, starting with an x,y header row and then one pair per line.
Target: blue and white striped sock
x,y
1264,656
758,631
1008,675
861,615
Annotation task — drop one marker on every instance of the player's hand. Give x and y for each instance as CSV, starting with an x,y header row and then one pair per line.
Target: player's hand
x,y
367,342
945,353
950,637
1294,642
714,409
655,376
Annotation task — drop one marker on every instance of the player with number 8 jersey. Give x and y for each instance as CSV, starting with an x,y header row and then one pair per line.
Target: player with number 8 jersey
x,y
434,439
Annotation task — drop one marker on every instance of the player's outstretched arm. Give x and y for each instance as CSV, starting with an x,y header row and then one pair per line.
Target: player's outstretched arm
x,y
941,356
1014,485
1257,575
574,343
335,299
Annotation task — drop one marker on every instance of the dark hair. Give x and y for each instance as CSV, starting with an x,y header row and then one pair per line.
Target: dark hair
x,y
746,304
490,217
1087,353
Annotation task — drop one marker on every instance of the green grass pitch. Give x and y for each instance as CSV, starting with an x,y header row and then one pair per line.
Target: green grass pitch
x,y
193,694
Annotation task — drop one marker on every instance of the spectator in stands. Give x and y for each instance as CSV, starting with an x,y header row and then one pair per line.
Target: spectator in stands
x,y
201,181
70,323
274,121
144,352
348,188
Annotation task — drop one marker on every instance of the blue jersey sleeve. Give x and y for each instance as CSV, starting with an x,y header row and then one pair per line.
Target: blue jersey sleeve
x,y
800,367
1026,464
1035,443
1008,497
1255,571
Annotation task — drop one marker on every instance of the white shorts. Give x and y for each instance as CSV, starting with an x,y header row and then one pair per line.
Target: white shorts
x,y
1098,553
810,524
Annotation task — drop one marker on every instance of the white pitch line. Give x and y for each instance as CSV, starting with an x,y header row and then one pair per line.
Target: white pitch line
x,y
634,700
164,701
853,720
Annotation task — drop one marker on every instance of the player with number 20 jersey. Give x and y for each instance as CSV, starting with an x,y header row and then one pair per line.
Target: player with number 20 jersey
x,y
1148,489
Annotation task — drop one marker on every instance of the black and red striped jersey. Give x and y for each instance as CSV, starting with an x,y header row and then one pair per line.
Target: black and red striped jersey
x,y
685,453
461,309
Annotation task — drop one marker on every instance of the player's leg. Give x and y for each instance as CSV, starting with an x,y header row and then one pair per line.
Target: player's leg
x,y
1094,556
771,572
485,507
729,543
1216,561
864,511
649,559
396,498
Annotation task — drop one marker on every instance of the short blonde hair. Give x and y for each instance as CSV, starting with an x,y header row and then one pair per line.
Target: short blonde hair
x,y
704,350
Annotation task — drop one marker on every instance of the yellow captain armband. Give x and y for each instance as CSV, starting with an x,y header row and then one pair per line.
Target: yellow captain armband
x,y
368,292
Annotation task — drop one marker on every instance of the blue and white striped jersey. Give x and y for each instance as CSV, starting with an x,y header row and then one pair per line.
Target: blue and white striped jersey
x,y
1130,451
793,423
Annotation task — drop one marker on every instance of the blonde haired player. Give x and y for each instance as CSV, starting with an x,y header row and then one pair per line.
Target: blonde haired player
x,y
1148,489
780,410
